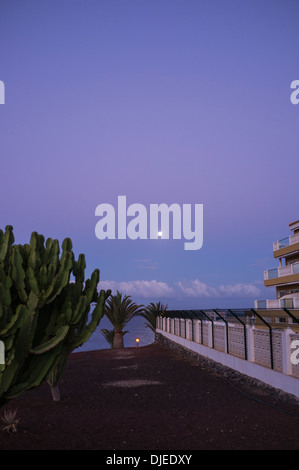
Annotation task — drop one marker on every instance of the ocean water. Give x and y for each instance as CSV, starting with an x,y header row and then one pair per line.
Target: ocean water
x,y
136,329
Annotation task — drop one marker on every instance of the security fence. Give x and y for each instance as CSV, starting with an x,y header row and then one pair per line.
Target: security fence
x,y
264,337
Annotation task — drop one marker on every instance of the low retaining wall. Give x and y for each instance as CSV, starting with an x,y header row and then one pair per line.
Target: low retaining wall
x,y
218,359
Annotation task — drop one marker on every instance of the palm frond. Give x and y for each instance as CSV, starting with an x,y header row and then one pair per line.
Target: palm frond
x,y
120,310
151,312
108,335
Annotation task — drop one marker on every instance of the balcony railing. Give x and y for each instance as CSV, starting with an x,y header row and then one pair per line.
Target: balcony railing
x,y
276,303
286,242
282,271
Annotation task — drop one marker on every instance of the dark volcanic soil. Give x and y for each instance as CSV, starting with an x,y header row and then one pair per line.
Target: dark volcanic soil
x,y
150,398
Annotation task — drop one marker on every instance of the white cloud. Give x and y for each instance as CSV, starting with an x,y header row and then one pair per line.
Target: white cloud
x,y
144,289
181,289
239,290
196,288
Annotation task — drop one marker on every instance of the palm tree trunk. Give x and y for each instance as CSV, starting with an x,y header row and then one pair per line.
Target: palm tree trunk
x,y
54,391
118,341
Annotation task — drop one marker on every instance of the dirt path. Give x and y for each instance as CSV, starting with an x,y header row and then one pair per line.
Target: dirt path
x,y
150,398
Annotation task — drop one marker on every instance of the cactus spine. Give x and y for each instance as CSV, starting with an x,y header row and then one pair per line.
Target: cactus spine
x,y
44,314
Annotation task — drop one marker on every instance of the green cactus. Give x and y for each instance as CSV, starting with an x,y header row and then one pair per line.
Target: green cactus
x,y
44,314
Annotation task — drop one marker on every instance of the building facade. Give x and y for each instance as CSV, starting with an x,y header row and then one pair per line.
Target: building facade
x,y
285,277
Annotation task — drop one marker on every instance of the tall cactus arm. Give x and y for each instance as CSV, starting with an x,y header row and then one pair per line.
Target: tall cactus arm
x,y
97,315
27,329
61,279
14,322
6,240
48,345
18,274
5,296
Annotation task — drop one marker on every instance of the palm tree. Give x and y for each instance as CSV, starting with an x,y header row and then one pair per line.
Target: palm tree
x,y
120,310
151,312
108,335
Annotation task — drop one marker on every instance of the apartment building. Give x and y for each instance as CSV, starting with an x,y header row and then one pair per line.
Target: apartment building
x,y
285,279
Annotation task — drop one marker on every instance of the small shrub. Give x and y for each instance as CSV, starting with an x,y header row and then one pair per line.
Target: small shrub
x,y
11,421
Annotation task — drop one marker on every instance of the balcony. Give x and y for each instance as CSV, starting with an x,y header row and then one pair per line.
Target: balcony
x,y
277,304
281,271
286,242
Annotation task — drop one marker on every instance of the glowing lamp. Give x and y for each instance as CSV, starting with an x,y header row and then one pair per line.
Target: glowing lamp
x,y
137,341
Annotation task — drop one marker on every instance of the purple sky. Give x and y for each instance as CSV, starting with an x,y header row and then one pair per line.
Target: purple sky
x,y
164,101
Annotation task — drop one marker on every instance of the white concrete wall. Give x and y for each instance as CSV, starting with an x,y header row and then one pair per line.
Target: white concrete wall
x,y
279,380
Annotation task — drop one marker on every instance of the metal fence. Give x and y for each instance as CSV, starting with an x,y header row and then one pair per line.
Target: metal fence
x,y
239,332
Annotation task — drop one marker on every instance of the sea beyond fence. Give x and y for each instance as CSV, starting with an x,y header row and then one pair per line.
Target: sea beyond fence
x,y
136,329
